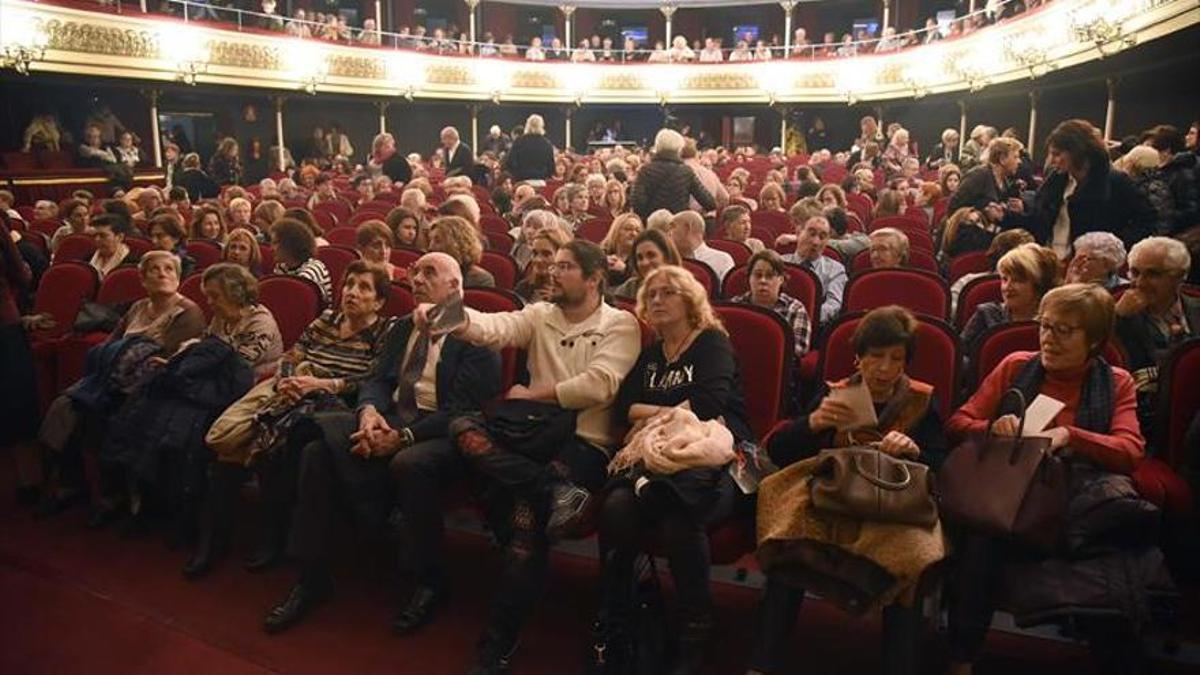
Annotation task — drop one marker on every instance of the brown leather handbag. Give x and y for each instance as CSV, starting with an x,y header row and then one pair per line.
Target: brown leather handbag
x,y
862,482
1007,487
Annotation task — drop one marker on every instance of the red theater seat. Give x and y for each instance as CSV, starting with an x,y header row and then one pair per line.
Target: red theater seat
x,y
972,262
503,268
403,257
337,259
192,288
594,229
400,301
295,302
975,293
917,259
763,344
342,236
704,274
920,291
497,300
205,252
75,247
737,250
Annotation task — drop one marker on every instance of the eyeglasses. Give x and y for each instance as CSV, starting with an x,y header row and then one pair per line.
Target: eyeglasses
x,y
1060,330
664,293
563,267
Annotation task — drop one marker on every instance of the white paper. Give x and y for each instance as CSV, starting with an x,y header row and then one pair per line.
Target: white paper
x,y
858,399
1040,414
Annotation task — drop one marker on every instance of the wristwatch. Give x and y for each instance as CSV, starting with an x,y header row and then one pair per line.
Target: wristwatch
x,y
406,437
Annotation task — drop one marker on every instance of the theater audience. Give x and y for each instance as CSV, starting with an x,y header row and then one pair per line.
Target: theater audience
x,y
18,387
225,167
889,248
531,157
949,179
579,350
771,198
614,198
166,231
533,221
373,240
736,226
1098,259
690,361
1001,244
1027,273
652,249
991,188
295,247
908,427
78,218
1099,428
111,250
1082,193
321,372
457,238
945,152
405,226
158,325
767,276
199,185
811,238
241,248
536,284
666,182
967,229
1153,316
618,245
687,230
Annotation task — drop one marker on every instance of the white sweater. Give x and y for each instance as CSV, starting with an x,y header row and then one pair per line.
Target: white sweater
x,y
585,362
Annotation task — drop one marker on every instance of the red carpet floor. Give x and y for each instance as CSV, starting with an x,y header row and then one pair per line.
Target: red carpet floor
x,y
74,600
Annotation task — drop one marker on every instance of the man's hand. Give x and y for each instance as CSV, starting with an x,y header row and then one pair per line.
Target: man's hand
x,y
420,316
994,212
543,393
1016,205
1132,302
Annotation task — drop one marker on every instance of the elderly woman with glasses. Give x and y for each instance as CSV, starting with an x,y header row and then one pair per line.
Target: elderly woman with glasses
x,y
908,426
690,362
889,248
1098,259
1097,427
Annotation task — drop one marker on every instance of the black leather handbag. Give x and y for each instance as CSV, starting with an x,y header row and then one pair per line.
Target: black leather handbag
x,y
531,428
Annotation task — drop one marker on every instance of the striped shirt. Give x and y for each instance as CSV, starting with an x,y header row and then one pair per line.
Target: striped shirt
x,y
325,353
315,271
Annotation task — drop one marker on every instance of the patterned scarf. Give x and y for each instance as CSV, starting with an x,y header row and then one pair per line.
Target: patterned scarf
x,y
1095,408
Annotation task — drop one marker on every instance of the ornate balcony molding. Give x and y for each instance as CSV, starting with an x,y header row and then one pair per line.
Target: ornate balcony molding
x,y
1061,35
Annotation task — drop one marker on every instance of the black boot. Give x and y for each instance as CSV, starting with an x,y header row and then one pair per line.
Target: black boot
x,y
276,519
313,590
693,639
216,524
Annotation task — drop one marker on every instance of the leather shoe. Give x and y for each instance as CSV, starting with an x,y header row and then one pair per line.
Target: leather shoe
x,y
299,602
568,508
493,656
419,611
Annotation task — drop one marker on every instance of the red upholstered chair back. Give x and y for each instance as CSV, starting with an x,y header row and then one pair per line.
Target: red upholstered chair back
x,y
503,268
139,246
777,222
337,259
342,236
378,206
498,300
935,362
294,302
326,219
192,288
1178,400
46,227
499,241
400,301
736,249
801,284
338,208
704,274
490,222
763,344
861,206
403,257
75,247
361,216
64,288
1020,336
122,285
594,229
975,293
268,258
920,291
971,262
205,252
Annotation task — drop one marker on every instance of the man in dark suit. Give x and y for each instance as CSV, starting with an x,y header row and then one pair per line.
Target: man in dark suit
x,y
419,383
460,160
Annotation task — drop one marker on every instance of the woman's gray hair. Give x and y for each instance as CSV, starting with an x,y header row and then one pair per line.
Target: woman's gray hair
x,y
152,256
668,141
236,283
540,218
1104,245
534,124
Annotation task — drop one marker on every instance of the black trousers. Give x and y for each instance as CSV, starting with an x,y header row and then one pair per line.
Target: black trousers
x,y
421,473
777,614
628,522
974,594
527,550
328,475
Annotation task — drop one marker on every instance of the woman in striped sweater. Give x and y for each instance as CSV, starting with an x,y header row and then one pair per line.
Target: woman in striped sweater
x,y
321,372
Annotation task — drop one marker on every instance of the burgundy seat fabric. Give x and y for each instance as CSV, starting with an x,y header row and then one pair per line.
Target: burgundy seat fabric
x,y
920,291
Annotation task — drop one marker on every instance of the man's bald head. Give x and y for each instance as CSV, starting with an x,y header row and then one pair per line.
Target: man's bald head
x,y
435,276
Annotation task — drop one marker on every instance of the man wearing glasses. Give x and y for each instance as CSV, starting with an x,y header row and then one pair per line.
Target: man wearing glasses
x,y
579,349
1153,316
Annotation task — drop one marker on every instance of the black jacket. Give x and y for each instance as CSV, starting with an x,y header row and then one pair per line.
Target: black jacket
x,y
462,162
1106,201
531,157
396,167
940,156
1180,174
197,183
667,183
978,189
467,377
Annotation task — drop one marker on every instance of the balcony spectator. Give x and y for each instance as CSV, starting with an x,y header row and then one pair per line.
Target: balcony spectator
x,y
711,52
507,48
42,134
269,19
848,47
225,167
583,54
741,52
761,51
298,26
370,33
557,52
534,52
606,55
488,46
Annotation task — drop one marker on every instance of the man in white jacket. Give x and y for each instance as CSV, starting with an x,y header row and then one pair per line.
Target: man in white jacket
x,y
579,349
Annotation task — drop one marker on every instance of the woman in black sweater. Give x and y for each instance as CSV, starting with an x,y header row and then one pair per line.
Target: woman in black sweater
x,y
691,362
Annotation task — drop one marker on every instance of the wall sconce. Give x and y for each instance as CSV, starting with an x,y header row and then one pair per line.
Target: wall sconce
x,y
187,71
1033,58
310,83
19,57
